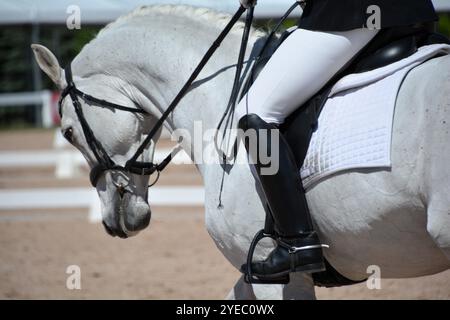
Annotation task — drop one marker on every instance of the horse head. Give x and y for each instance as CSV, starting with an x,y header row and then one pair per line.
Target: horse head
x,y
117,133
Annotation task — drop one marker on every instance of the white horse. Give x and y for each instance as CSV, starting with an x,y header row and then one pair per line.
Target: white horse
x,y
397,219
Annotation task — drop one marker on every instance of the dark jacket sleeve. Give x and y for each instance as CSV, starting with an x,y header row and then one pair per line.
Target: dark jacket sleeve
x,y
342,15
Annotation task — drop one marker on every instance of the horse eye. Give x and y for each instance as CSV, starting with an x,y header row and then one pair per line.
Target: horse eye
x,y
68,133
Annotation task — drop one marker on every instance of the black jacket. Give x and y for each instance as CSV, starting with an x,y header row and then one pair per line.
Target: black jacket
x,y
342,15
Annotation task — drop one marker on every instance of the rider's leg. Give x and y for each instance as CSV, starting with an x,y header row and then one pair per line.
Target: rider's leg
x,y
286,198
297,70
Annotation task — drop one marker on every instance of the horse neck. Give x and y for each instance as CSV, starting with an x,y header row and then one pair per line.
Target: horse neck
x,y
202,107
156,69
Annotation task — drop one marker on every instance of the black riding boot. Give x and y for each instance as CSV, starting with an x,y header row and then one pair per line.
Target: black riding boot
x,y
299,248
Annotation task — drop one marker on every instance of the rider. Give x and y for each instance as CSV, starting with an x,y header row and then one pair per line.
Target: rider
x,y
330,34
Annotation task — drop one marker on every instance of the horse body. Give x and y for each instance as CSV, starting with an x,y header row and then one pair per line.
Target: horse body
x,y
393,212
397,219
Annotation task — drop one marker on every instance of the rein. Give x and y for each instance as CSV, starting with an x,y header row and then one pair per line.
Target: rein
x,y
134,166
229,112
104,161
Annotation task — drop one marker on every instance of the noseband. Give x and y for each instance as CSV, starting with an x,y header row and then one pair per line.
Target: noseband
x,y
104,161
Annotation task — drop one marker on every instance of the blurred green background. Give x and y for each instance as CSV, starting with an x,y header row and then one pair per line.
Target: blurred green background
x,y
16,73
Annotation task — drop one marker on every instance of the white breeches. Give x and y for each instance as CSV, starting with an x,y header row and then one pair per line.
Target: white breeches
x,y
299,68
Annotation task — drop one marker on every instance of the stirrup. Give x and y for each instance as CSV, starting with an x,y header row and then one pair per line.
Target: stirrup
x,y
248,275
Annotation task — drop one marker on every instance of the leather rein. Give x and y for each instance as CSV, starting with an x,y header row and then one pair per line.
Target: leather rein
x,y
104,161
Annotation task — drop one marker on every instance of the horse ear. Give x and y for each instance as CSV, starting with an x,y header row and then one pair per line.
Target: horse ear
x,y
49,64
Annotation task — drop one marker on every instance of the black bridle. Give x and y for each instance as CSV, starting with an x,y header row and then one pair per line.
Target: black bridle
x,y
104,161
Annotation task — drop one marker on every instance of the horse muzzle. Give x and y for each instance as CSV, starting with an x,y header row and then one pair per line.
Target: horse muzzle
x,y
128,215
128,223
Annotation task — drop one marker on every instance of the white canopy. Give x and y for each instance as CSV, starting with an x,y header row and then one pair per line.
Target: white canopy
x,y
104,11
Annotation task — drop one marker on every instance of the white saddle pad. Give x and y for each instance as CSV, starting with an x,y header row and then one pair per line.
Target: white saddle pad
x,y
355,126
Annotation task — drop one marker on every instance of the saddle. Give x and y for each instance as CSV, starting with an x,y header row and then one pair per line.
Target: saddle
x,y
388,46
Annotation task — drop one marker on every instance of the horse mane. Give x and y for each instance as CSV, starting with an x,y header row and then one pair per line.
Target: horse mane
x,y
204,15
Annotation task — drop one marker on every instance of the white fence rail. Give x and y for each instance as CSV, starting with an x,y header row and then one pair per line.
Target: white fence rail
x,y
30,99
66,159
66,198
67,162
